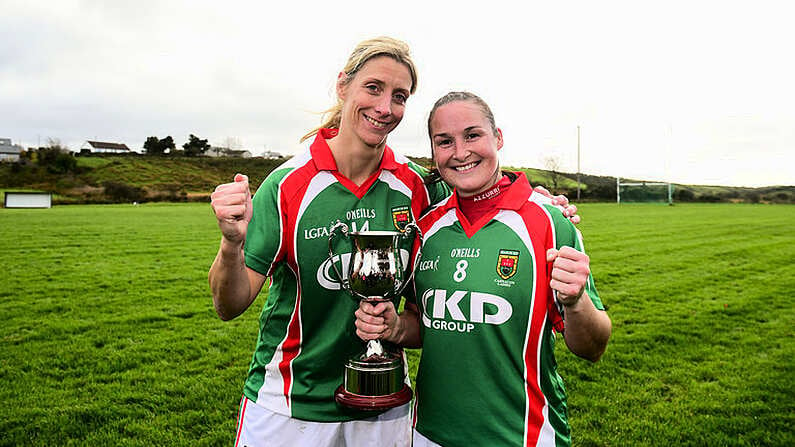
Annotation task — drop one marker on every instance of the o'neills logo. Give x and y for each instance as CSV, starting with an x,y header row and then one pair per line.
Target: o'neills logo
x,y
401,217
507,263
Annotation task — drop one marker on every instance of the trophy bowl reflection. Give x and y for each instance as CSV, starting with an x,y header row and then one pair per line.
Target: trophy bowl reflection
x,y
374,379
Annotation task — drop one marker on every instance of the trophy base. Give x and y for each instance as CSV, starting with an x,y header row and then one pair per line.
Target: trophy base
x,y
372,403
374,380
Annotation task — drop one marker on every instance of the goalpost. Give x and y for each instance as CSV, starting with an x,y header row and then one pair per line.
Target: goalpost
x,y
646,192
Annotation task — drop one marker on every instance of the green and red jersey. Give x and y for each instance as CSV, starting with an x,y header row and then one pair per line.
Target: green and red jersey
x,y
307,328
488,374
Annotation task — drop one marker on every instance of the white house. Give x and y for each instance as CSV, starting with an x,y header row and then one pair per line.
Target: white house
x,y
8,151
216,151
270,155
239,154
102,147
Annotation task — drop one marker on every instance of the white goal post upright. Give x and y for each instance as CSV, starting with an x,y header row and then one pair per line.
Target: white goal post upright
x,y
619,185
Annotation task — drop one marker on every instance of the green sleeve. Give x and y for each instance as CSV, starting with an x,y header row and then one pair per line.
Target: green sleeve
x,y
264,230
566,234
436,191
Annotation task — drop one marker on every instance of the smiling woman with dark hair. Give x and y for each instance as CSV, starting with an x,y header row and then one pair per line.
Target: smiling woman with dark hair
x,y
500,273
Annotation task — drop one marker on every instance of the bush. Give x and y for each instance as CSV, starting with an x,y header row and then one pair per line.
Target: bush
x,y
606,193
65,183
684,195
731,194
710,198
122,192
20,173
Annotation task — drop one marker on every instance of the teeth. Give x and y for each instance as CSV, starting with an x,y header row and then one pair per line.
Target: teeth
x,y
375,123
465,167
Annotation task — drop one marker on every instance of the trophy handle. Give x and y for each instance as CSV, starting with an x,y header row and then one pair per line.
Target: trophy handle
x,y
333,232
411,227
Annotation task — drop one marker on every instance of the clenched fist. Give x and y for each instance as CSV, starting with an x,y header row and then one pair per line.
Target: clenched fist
x,y
231,203
570,270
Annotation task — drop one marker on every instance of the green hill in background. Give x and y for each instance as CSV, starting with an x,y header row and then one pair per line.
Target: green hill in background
x,y
118,179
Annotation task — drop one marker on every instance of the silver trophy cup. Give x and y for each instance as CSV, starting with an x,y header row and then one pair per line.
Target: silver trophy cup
x,y
374,379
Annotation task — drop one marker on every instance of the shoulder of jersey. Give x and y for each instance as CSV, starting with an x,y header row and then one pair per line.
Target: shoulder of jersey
x,y
414,171
297,168
434,211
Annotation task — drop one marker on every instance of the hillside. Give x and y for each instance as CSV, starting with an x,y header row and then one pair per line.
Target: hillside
x,y
109,179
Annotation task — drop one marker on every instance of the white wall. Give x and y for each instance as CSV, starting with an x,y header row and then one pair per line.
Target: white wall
x,y
27,200
9,157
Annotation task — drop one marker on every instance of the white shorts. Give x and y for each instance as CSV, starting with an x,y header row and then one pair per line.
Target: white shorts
x,y
422,441
258,427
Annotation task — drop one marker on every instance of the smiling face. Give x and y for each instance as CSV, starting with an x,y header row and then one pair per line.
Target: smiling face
x,y
465,146
374,100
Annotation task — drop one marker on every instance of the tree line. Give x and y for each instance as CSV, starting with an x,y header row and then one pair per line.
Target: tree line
x,y
195,146
56,164
56,158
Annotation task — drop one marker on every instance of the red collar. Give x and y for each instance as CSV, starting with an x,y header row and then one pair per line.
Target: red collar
x,y
324,160
511,199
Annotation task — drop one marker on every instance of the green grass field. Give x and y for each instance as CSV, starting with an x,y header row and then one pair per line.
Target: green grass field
x,y
108,335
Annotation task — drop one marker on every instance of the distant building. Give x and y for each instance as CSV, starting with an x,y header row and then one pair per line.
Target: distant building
x,y
15,199
8,151
270,155
102,147
226,152
240,154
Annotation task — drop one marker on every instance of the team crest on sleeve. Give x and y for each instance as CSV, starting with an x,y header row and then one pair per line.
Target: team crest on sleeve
x,y
401,217
507,263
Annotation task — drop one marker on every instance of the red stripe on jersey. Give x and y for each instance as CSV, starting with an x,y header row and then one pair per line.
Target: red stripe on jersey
x,y
435,214
291,346
292,186
414,410
536,222
419,194
554,314
243,403
291,192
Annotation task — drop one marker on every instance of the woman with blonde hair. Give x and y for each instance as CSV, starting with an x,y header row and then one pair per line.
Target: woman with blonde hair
x,y
348,173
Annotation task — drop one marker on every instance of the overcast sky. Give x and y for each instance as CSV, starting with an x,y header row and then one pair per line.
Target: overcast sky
x,y
699,92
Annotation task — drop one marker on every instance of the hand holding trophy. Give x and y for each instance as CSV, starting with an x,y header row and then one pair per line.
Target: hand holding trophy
x,y
374,379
